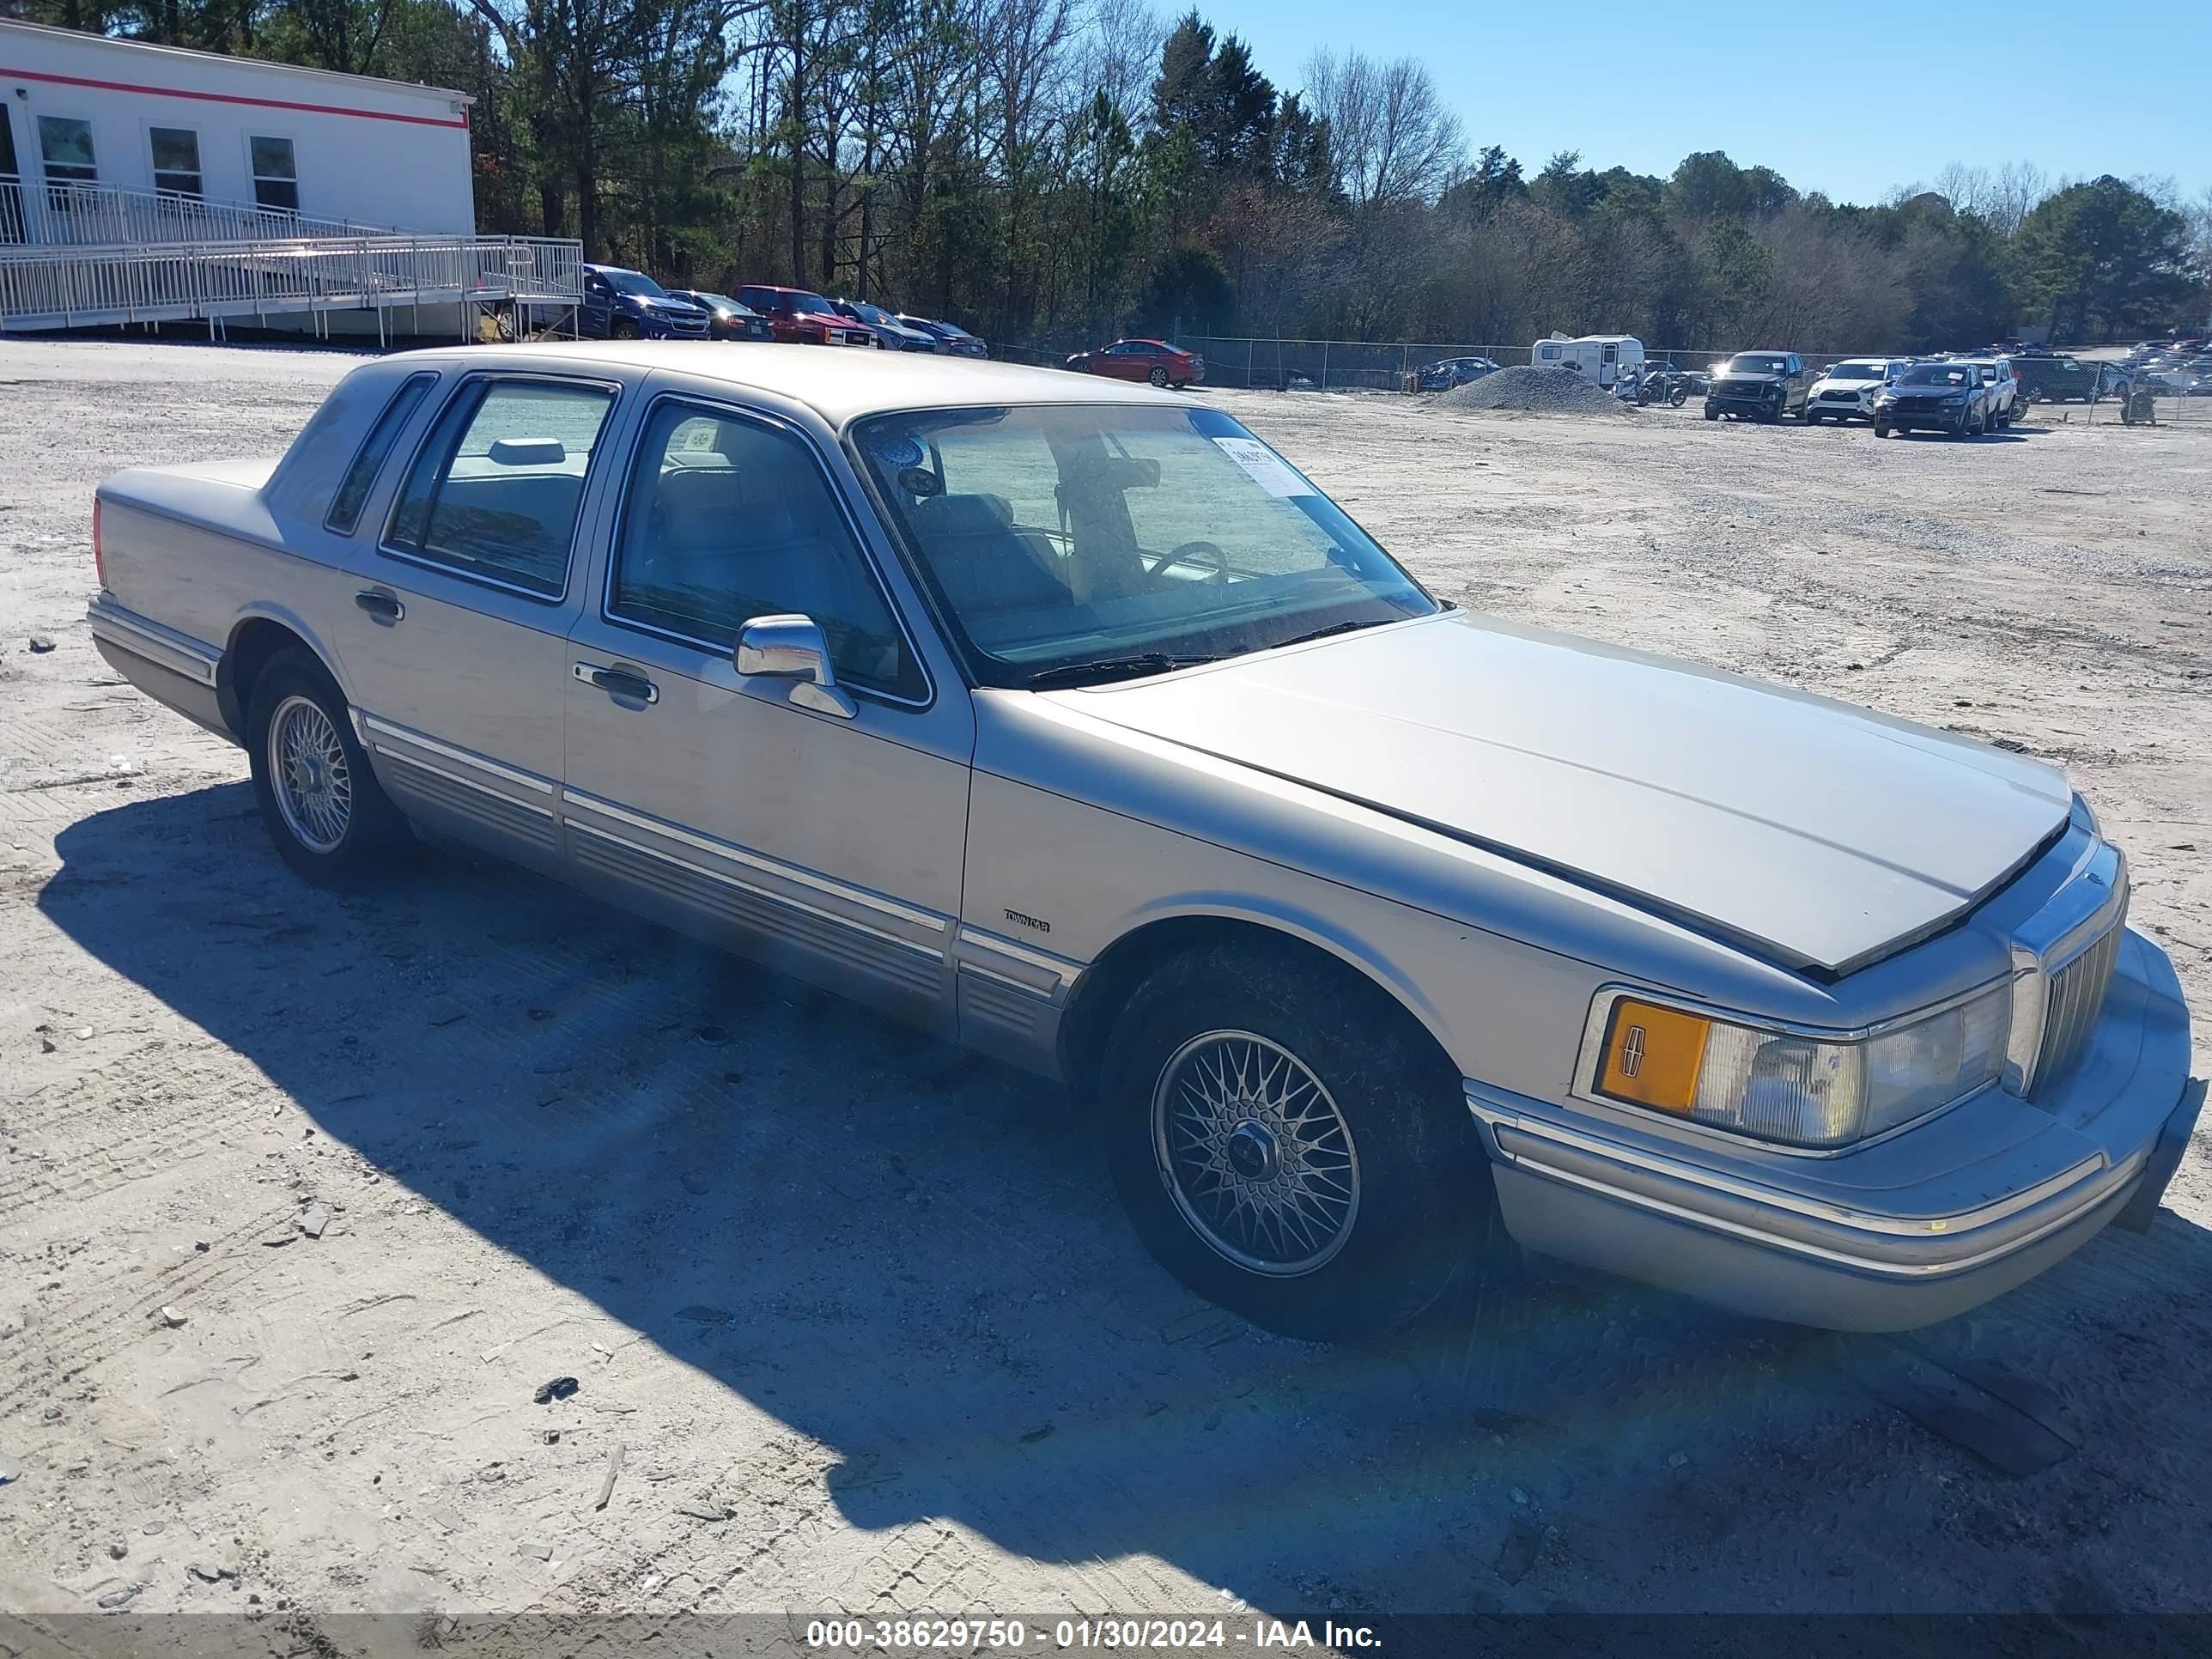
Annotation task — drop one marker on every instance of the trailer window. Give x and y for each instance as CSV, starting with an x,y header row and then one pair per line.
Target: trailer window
x,y
275,175
176,160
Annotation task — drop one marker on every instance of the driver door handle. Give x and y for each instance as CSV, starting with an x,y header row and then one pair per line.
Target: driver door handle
x,y
618,681
379,605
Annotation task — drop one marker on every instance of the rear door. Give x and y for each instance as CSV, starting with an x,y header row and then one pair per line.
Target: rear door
x,y
829,844
457,638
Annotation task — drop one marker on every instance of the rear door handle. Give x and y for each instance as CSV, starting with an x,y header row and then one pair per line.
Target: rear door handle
x,y
380,605
618,681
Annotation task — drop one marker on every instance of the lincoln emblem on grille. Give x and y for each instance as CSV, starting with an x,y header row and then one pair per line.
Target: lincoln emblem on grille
x,y
1631,1051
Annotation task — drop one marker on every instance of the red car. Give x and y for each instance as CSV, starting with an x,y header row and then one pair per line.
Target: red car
x,y
1143,360
799,318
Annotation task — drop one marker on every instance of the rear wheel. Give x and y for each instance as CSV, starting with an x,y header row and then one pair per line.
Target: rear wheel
x,y
1290,1146
329,819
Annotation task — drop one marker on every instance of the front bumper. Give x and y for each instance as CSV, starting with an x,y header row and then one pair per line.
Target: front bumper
x,y
1742,403
1906,1231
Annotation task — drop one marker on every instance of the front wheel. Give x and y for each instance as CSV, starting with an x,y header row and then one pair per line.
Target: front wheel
x,y
329,819
1711,414
1812,416
1158,378
1678,397
1290,1144
622,328
1881,429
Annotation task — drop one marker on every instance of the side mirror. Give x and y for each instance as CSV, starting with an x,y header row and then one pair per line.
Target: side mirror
x,y
791,648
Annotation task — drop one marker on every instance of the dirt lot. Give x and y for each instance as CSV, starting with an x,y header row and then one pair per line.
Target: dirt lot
x,y
860,1312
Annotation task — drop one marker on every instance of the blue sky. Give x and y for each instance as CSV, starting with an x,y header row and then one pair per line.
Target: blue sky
x,y
2118,86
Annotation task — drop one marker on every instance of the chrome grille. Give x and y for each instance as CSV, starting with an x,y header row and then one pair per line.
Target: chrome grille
x,y
2072,1001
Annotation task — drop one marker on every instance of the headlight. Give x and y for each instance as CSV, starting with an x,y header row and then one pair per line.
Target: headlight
x,y
1797,1089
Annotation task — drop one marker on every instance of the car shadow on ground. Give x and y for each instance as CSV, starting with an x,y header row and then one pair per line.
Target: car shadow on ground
x,y
912,1257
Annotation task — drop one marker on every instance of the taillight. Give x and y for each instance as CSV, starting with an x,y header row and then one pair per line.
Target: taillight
x,y
99,558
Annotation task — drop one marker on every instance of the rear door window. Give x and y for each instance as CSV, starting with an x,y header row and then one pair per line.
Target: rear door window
x,y
495,491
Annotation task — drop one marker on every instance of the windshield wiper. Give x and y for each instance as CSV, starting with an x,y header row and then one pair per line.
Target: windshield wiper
x,y
1102,669
1322,633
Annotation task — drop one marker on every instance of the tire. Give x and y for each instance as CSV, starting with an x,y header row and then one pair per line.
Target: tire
x,y
1420,1208
622,328
1711,414
1880,430
1812,416
1158,378
1678,397
335,825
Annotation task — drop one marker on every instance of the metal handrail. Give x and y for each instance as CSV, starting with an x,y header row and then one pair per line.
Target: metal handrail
x,y
72,215
67,286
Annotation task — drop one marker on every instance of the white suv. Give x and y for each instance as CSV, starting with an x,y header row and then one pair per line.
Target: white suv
x,y
1846,390
2005,388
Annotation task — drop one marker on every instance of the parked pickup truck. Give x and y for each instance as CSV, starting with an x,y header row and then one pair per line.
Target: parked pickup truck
x,y
1068,720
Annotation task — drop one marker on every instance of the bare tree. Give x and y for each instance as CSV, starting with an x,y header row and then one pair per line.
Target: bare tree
x,y
1391,136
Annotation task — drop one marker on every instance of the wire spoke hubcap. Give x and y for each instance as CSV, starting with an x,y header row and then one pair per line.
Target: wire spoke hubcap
x,y
1254,1153
309,776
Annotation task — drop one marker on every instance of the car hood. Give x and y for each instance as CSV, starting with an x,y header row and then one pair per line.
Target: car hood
x,y
1813,834
1863,387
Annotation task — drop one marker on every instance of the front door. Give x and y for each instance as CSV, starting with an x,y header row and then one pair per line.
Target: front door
x,y
824,836
456,640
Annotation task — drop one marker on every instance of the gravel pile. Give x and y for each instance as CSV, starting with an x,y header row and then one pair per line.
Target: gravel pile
x,y
1539,391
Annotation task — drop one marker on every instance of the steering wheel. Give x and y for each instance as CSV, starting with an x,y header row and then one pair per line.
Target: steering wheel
x,y
1188,549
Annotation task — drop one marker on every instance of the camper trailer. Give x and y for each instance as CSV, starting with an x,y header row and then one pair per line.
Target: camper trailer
x,y
1602,358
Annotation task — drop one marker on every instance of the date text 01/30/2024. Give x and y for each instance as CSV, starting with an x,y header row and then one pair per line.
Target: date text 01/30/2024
x,y
995,1636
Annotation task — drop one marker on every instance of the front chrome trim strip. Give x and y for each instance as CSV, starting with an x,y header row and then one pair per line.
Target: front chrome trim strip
x,y
1920,1272
691,867
876,901
477,784
164,648
989,953
1494,1114
372,726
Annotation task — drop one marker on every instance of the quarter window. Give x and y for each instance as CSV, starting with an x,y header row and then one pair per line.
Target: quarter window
x,y
275,176
728,520
176,160
353,492
495,491
65,150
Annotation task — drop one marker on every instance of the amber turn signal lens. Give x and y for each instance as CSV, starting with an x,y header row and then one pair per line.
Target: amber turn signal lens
x,y
1653,1056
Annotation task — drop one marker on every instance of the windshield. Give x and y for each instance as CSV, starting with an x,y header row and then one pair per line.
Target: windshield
x,y
1938,375
633,282
868,313
1755,362
1058,537
723,303
1855,372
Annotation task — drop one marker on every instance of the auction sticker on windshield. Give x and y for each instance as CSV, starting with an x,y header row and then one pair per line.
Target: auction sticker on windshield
x,y
1268,469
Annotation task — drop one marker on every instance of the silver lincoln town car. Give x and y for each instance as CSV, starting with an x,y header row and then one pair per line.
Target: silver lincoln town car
x,y
1067,719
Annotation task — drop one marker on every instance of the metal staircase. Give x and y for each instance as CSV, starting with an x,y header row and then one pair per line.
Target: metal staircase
x,y
77,256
